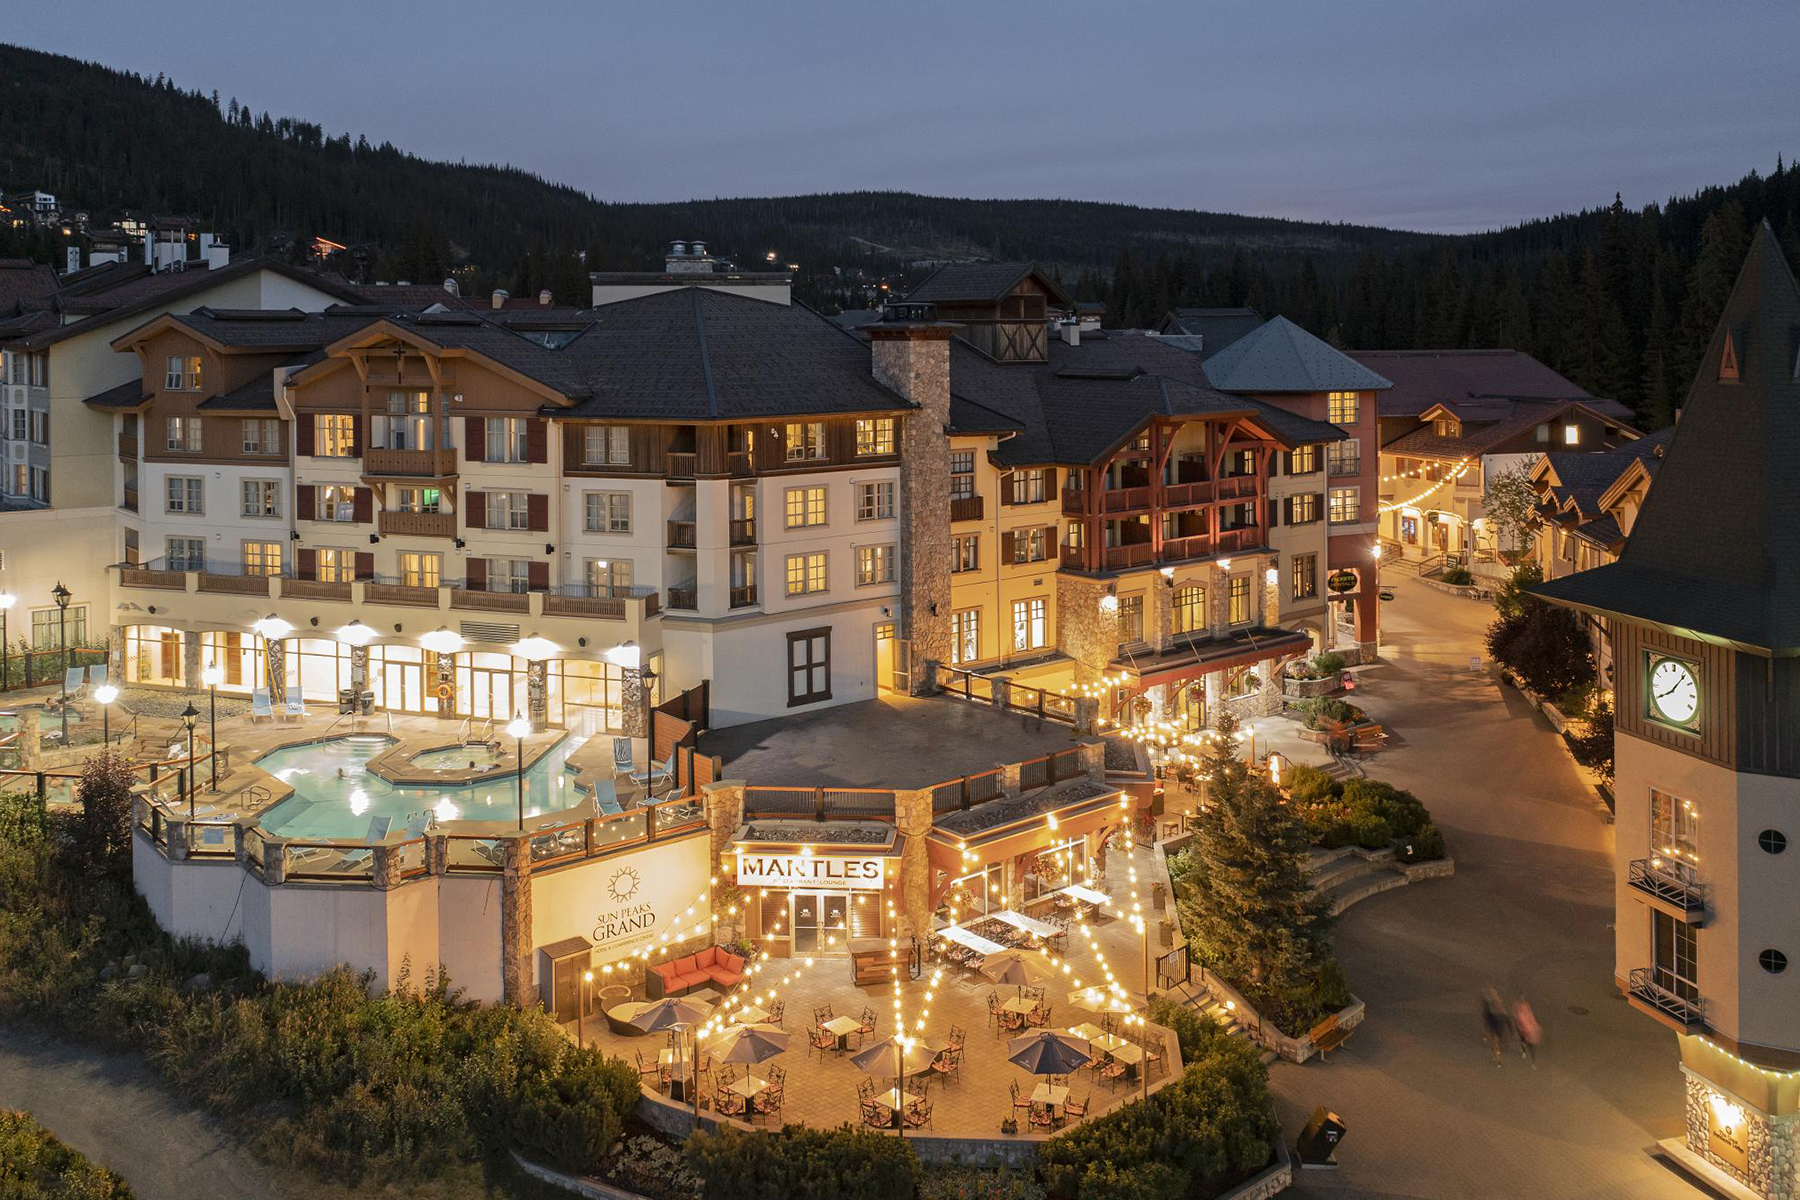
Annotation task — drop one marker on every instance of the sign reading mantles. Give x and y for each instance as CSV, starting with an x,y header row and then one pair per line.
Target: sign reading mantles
x,y
810,872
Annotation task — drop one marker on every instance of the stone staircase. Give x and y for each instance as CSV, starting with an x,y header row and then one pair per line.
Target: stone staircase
x,y
1193,996
1343,877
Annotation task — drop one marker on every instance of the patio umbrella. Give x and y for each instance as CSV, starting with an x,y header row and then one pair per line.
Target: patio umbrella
x,y
676,1012
750,1044
888,1057
1048,1052
1106,1000
1016,968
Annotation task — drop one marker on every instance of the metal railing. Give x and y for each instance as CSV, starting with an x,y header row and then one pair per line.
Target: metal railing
x,y
1662,990
1673,882
820,803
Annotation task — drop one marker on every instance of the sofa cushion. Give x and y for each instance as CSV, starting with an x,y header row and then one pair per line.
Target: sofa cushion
x,y
730,962
724,978
685,982
685,966
665,971
708,957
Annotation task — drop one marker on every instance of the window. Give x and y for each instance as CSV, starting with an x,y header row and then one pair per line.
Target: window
x,y
262,498
1031,545
186,554
1305,575
1303,460
183,374
805,573
508,575
1672,944
805,506
262,558
19,418
507,510
1444,427
184,435
1077,535
1303,509
1773,841
421,569
874,564
809,666
965,553
805,441
506,439
1028,624
1131,619
962,474
606,445
420,499
1343,458
1543,433
1340,408
334,435
40,484
1190,609
874,435
1342,505
1030,487
1674,827
874,501
608,512
337,502
262,436
40,428
48,625
185,494
1240,600
406,424
608,577
1571,434
336,564
965,636
1772,961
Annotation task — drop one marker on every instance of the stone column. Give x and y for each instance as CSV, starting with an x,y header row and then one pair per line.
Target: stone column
x,y
537,694
359,668
1161,617
515,922
175,829
912,816
31,749
437,853
1087,627
1087,713
724,803
274,862
386,867
275,650
1093,761
631,703
1218,599
1002,691
115,656
1271,593
1009,779
190,658
446,683
1215,685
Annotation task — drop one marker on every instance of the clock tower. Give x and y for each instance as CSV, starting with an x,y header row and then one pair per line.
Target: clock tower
x,y
1703,608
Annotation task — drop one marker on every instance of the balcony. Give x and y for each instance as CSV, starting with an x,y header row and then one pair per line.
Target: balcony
x,y
409,464
737,464
146,577
1136,554
1656,991
1230,541
400,593
684,598
743,532
1235,487
1177,549
681,535
1074,501
1668,886
315,589
743,597
130,502
1072,556
681,464
506,602
1128,499
128,446
1188,495
418,524
1336,467
968,508
607,604
238,585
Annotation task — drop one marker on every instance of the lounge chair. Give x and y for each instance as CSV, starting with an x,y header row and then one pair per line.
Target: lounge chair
x,y
75,682
296,706
260,708
96,675
622,754
657,776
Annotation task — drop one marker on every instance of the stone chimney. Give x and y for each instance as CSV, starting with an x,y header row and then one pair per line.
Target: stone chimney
x,y
913,358
500,297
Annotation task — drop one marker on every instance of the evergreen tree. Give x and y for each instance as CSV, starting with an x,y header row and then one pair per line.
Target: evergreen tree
x,y
1252,908
1723,241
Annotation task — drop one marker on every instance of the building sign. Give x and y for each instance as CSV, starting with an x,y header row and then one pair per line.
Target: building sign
x,y
810,872
1341,581
1727,1134
625,901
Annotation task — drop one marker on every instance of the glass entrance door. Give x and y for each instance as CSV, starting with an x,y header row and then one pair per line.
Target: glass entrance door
x,y
820,921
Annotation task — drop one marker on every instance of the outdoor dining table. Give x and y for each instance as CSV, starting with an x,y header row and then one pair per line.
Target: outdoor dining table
x,y
970,940
1052,1096
750,1014
1128,1053
1085,895
1023,1005
748,1087
896,1102
1030,925
841,1028
1090,1032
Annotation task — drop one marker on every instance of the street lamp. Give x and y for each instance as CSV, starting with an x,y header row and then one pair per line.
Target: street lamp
x,y
518,728
105,694
587,983
188,716
645,679
7,600
61,595
212,677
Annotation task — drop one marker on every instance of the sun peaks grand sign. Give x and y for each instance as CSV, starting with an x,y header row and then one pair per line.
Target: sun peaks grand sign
x,y
810,872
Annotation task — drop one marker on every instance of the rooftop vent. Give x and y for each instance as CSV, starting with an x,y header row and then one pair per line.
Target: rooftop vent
x,y
544,297
501,296
451,286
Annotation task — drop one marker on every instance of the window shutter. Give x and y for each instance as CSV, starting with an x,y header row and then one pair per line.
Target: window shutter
x,y
474,509
1050,482
537,441
306,502
1050,542
477,573
475,439
538,576
365,564
537,512
1006,491
308,564
1287,511
303,433
362,505
356,436
1006,546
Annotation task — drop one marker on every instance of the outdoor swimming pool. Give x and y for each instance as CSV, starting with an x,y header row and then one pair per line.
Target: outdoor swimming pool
x,y
9,720
471,756
336,797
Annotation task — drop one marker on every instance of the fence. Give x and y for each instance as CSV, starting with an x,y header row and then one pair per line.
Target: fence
x,y
820,803
25,668
983,689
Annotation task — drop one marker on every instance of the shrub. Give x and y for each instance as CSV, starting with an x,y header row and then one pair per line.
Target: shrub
x,y
1308,785
1511,599
1423,846
1593,743
799,1163
1329,663
1329,710
103,829
652,1167
979,1183
34,1164
1457,575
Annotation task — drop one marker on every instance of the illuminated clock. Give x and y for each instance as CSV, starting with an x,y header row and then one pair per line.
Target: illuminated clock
x,y
1674,692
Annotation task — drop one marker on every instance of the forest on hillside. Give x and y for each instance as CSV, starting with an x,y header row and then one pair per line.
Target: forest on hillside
x,y
1619,300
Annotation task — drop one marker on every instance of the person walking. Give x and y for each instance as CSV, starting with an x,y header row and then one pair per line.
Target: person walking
x,y
1530,1033
1495,1020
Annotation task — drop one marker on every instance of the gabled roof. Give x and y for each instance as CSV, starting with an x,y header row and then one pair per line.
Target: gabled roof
x,y
1215,328
1279,356
127,395
22,280
1492,424
1715,551
970,283
1583,479
1422,378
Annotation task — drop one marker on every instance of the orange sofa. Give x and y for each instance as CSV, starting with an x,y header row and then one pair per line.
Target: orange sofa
x,y
711,967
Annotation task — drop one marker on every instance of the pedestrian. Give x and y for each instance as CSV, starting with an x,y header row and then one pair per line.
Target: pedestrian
x,y
1526,1026
1495,1020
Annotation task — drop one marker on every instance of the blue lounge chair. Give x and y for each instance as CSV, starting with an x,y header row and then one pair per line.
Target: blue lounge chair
x,y
75,682
260,708
622,754
97,675
296,706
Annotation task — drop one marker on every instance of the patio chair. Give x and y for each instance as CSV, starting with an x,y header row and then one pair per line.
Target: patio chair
x,y
97,675
260,708
993,1009
918,1114
874,1115
948,1064
295,707
75,682
657,775
822,1013
727,1076
776,1012
627,791
821,1040
622,754
1020,1101
1075,1108
768,1103
865,1089
728,1103
1038,1017
1043,1116
653,1071
957,1037
867,1028
1112,1072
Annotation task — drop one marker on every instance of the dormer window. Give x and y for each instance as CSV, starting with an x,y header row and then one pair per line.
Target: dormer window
x,y
1444,427
1571,434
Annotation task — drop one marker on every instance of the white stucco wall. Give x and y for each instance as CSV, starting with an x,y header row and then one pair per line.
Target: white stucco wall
x,y
625,902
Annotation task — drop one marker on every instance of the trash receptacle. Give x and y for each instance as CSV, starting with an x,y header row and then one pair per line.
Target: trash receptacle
x,y
1318,1142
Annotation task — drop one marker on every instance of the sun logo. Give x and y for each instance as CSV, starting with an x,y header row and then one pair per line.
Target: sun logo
x,y
623,885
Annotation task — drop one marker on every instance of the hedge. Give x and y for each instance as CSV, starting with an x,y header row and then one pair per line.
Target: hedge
x,y
801,1163
34,1165
1362,812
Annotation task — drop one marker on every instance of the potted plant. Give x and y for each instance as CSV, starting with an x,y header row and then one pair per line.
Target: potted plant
x,y
1009,1126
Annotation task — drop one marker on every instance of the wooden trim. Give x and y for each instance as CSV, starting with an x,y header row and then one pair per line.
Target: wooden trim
x,y
475,573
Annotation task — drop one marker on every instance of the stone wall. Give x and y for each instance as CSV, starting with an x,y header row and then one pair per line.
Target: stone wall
x,y
1085,630
912,817
1770,1142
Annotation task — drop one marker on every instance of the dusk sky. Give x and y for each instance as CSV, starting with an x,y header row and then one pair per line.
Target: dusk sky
x,y
1434,115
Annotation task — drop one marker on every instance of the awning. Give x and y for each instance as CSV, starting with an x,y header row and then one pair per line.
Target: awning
x,y
1203,658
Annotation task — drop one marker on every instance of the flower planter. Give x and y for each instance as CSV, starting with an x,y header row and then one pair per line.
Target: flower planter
x,y
1311,689
1321,736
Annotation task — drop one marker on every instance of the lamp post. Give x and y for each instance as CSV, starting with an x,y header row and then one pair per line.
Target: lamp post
x,y
517,729
105,694
212,677
188,716
587,982
646,677
61,595
7,600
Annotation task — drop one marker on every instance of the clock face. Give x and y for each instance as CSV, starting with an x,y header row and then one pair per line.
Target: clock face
x,y
1674,692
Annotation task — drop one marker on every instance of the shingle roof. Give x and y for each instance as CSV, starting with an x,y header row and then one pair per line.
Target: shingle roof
x,y
1216,328
1603,531
1494,423
22,280
1279,356
971,282
1584,478
1422,378
411,295
129,394
1715,550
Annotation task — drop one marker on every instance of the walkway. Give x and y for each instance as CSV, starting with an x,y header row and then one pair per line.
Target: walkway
x,y
1529,911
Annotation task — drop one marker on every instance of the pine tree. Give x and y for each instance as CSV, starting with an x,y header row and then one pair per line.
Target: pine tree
x,y
1723,240
1252,909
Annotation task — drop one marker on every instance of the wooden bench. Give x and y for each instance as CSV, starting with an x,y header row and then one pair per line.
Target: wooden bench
x,y
1369,737
1328,1035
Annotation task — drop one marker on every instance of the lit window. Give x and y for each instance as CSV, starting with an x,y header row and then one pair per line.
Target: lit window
x,y
336,565
1028,624
1341,408
1305,574
805,573
805,506
875,435
337,503
965,553
262,558
1342,505
334,435
1190,609
805,441
419,569
262,498
184,435
874,564
1240,600
1571,434
965,635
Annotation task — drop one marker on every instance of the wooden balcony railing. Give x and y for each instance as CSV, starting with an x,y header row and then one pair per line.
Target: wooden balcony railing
x,y
128,446
315,589
1231,540
1130,499
681,464
737,463
144,577
743,597
130,502
415,464
511,602
1074,501
967,508
685,598
1234,487
681,535
605,607
239,585
1187,495
1137,554
418,524
1176,549
1073,556
400,593
743,531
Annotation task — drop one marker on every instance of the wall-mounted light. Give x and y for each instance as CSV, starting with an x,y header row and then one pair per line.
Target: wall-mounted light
x,y
272,627
1109,603
1270,576
356,634
442,641
1224,564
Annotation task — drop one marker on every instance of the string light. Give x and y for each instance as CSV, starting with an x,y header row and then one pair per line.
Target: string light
x,y
1462,468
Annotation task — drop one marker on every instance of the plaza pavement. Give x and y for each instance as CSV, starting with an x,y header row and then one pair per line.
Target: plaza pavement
x,y
1529,911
